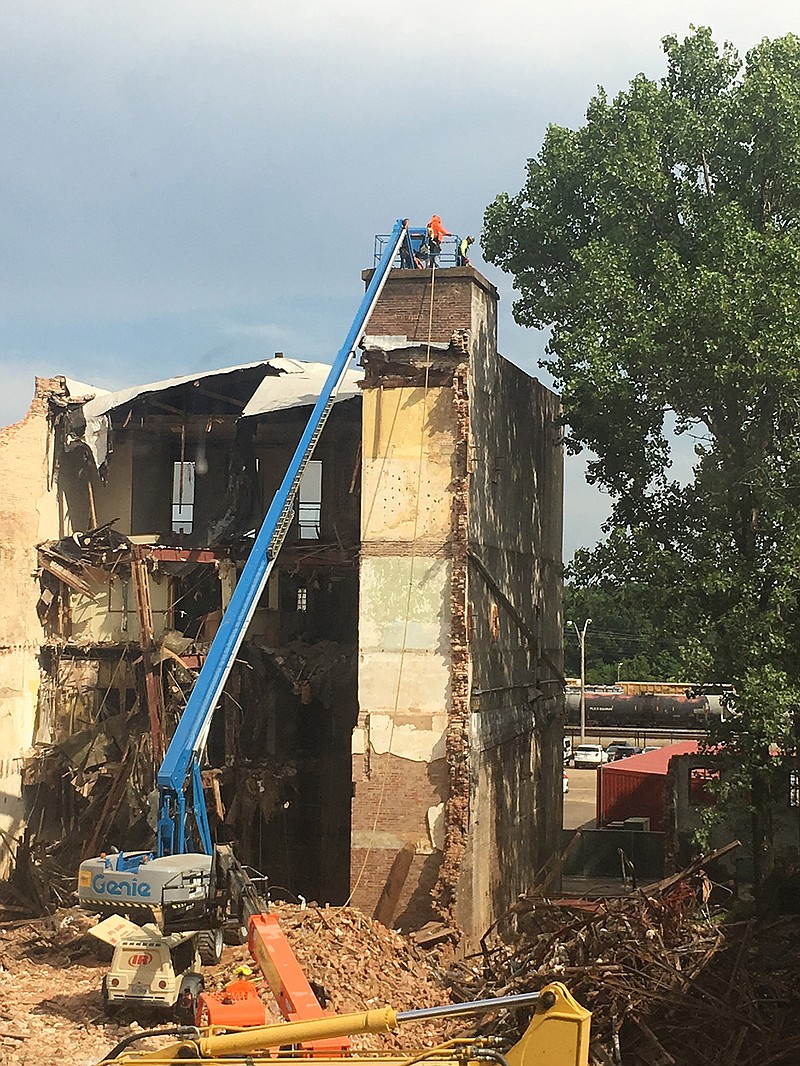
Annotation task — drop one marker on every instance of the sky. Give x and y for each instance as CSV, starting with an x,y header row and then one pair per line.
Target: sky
x,y
195,183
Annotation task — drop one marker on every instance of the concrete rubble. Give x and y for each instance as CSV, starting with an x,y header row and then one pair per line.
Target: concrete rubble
x,y
50,972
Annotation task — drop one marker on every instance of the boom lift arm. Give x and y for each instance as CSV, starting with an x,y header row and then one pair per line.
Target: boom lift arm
x,y
183,887
177,878
181,765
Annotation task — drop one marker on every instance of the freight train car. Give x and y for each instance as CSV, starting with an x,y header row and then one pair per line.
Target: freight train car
x,y
643,703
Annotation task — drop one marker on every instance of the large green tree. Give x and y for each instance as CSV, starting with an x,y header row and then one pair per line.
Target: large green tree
x,y
660,243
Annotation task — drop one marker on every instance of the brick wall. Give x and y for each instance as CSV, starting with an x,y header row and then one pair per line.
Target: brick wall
x,y
392,798
404,308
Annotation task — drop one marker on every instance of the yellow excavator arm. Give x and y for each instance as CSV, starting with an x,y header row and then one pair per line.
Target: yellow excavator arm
x,y
558,1035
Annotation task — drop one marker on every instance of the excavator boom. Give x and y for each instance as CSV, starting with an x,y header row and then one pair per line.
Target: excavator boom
x,y
558,1035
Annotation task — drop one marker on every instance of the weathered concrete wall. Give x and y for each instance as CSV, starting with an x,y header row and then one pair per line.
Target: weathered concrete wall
x,y
28,513
110,618
514,582
486,501
404,639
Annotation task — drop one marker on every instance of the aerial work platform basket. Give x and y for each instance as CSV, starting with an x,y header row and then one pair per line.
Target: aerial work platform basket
x,y
413,254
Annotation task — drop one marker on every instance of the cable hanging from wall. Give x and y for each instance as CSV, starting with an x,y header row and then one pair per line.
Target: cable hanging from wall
x,y
409,593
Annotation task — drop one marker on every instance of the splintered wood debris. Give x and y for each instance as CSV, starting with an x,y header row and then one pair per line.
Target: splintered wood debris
x,y
85,561
669,979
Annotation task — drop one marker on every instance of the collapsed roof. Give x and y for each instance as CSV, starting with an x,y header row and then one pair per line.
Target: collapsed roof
x,y
284,383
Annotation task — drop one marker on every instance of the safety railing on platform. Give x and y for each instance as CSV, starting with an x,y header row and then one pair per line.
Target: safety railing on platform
x,y
417,256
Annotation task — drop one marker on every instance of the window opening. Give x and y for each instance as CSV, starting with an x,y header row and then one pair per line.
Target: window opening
x,y
309,509
701,786
182,497
302,599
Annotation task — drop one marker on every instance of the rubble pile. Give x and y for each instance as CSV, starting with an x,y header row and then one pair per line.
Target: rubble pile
x,y
51,968
668,980
362,965
50,1009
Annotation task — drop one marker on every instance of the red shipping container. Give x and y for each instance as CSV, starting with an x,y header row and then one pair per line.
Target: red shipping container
x,y
634,787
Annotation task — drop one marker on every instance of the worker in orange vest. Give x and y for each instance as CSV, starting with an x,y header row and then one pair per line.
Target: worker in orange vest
x,y
436,231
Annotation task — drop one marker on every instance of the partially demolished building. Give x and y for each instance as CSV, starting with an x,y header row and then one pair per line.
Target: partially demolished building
x,y
391,731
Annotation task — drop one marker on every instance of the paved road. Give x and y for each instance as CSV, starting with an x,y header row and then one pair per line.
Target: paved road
x,y
579,802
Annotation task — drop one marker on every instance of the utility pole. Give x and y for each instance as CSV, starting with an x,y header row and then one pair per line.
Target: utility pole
x,y
581,635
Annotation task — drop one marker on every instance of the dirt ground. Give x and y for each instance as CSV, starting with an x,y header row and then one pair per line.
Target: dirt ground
x,y
50,972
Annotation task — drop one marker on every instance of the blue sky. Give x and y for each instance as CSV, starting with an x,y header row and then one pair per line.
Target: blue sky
x,y
194,183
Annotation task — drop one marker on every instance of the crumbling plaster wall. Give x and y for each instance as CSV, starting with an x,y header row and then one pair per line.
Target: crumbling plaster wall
x,y
687,808
110,617
497,601
113,498
28,514
514,583
399,748
81,488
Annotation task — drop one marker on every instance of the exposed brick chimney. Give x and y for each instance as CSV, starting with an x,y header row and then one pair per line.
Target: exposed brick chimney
x,y
462,300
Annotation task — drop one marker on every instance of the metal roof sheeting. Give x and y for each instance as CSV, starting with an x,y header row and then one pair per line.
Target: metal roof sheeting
x,y
102,404
652,762
297,385
80,389
287,383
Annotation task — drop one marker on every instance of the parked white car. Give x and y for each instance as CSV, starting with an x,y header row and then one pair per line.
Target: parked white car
x,y
589,756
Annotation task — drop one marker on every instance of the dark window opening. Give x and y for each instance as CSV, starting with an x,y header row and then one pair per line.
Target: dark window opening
x,y
701,786
287,791
197,602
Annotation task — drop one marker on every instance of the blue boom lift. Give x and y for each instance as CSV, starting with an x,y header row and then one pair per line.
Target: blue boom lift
x,y
184,884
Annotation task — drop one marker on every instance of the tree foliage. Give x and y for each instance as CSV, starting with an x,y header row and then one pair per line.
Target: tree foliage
x,y
660,243
630,637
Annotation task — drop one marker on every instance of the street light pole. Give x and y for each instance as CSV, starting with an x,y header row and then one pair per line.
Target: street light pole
x,y
581,635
